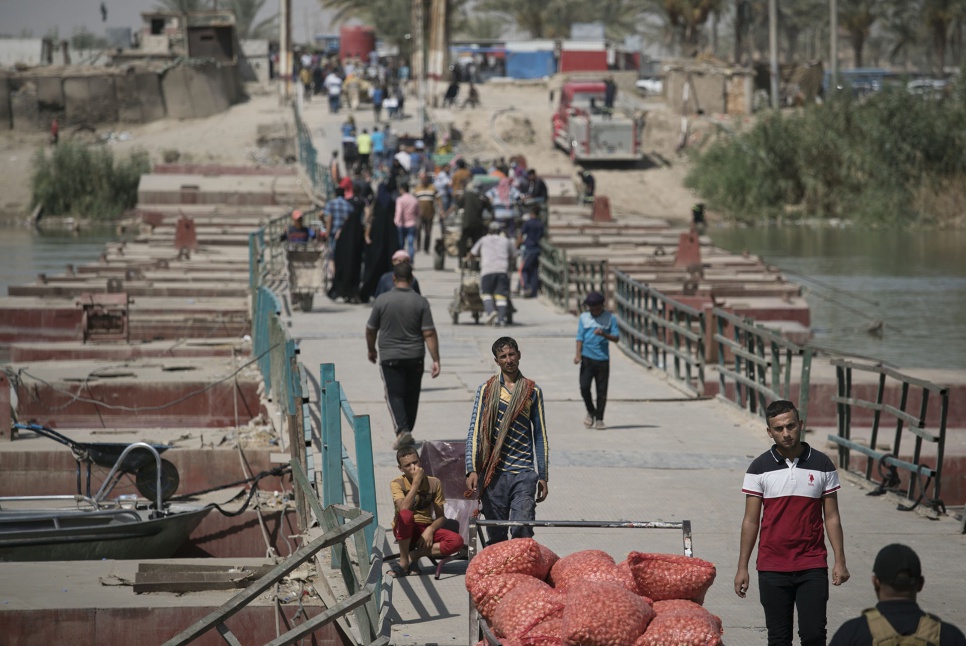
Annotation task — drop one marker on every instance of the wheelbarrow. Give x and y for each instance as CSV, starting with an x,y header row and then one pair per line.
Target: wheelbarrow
x,y
307,274
139,463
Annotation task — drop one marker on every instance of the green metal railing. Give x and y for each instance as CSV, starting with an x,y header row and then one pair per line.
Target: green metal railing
x,y
761,364
335,460
315,169
560,276
286,383
924,481
655,328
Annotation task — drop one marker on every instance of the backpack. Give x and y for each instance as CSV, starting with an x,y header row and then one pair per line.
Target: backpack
x,y
883,634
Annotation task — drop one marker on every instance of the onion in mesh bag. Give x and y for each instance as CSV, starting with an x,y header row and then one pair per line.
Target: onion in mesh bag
x,y
671,576
516,556
680,630
603,614
589,565
683,607
489,592
525,607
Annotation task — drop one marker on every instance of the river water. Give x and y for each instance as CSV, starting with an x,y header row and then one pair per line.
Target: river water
x,y
25,252
913,281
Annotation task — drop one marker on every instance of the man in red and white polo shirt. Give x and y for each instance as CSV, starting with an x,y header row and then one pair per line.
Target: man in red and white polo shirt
x,y
790,492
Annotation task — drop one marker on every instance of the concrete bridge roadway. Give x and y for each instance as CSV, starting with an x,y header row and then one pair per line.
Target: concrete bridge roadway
x,y
664,456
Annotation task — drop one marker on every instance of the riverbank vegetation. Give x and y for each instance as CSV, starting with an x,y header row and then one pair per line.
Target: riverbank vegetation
x,y
86,181
889,158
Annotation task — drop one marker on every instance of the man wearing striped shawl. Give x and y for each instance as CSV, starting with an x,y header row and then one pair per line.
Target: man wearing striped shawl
x,y
507,453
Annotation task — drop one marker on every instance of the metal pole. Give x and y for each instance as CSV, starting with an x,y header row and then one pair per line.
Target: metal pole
x,y
833,40
284,46
773,49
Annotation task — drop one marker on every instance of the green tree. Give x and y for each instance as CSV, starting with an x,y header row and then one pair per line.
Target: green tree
x,y
856,17
84,39
529,15
182,6
245,13
479,26
683,20
940,16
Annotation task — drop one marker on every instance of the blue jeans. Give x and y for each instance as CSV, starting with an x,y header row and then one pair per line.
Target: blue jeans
x,y
407,240
782,592
510,496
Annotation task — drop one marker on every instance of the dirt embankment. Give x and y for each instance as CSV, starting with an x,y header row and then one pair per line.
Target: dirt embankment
x,y
519,113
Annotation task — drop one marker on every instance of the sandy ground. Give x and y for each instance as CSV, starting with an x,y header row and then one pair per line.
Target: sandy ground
x,y
522,121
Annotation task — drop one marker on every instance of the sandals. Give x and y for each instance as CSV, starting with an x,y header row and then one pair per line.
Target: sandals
x,y
412,570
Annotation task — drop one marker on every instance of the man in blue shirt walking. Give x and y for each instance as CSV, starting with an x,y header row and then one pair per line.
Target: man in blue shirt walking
x,y
595,329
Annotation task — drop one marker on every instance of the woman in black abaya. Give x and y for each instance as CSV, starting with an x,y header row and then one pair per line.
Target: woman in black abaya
x,y
381,243
348,256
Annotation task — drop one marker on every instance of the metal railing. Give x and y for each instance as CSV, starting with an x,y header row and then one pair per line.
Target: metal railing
x,y
364,584
315,169
560,277
924,481
655,328
335,460
761,364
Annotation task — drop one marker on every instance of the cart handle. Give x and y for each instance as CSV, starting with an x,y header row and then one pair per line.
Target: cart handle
x,y
137,445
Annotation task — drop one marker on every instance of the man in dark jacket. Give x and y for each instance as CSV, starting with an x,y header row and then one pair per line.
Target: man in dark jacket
x,y
897,578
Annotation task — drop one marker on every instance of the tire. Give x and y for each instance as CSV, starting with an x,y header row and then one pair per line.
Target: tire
x,y
146,480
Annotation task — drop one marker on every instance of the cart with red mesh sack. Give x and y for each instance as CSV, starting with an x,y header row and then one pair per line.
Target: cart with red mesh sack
x,y
525,557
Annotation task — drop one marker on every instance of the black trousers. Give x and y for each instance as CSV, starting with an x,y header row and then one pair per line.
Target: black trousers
x,y
598,372
403,379
782,592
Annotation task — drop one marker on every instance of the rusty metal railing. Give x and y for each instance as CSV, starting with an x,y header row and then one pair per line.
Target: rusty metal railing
x,y
923,480
660,332
563,278
761,364
364,582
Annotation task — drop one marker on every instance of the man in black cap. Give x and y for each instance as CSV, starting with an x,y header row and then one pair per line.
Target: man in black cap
x,y
595,329
897,578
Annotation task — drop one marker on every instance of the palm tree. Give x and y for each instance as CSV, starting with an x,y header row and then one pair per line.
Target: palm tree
x,y
183,6
528,15
482,27
245,13
684,19
856,17
940,16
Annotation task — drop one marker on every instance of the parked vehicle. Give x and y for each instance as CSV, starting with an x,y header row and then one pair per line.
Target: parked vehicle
x,y
650,86
588,132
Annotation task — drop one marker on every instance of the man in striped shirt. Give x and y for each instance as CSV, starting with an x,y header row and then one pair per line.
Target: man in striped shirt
x,y
791,493
507,452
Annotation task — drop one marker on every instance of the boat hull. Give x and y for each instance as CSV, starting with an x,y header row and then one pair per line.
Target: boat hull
x,y
89,536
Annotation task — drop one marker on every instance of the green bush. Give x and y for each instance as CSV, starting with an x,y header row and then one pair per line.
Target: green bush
x,y
86,181
854,159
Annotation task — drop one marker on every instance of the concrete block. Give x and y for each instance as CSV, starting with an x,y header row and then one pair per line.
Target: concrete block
x,y
90,100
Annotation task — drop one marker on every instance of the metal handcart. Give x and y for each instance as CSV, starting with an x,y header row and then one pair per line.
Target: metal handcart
x,y
307,272
466,296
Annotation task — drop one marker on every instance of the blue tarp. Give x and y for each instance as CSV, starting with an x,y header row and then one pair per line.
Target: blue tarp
x,y
530,65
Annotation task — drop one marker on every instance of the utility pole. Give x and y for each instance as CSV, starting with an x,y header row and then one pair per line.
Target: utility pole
x,y
773,49
833,40
418,63
285,46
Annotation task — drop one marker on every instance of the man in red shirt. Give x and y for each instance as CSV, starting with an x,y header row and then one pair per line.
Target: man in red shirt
x,y
790,490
